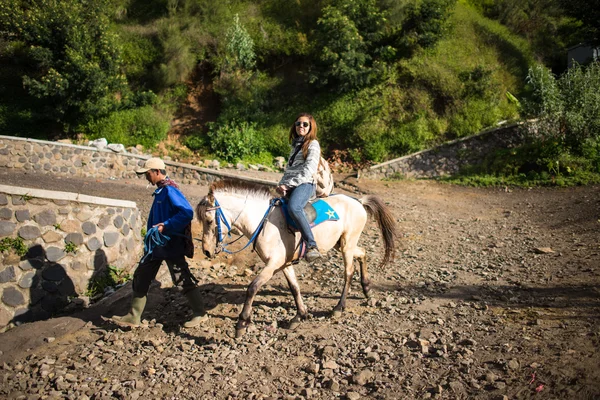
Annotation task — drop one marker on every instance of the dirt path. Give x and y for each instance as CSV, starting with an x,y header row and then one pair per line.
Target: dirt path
x,y
495,294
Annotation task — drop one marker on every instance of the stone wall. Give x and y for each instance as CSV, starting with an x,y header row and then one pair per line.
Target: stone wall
x,y
70,238
449,158
73,160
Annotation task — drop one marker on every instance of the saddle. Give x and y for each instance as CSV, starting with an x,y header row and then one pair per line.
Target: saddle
x,y
316,211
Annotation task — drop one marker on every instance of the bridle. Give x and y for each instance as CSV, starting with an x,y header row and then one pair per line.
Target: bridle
x,y
220,218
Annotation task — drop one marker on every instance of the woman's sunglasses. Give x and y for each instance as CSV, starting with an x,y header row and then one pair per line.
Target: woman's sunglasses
x,y
303,123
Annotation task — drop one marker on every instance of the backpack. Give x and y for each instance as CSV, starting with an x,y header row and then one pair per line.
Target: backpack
x,y
323,179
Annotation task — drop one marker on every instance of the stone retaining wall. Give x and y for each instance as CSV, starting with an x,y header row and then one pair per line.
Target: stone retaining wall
x,y
73,160
449,158
70,238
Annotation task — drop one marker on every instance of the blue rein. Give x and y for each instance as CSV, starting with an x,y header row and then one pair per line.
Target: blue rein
x,y
220,216
152,240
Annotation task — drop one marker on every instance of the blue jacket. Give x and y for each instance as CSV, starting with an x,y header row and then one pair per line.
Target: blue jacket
x,y
171,208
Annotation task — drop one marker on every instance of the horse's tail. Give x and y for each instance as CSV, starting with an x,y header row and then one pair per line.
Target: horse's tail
x,y
385,220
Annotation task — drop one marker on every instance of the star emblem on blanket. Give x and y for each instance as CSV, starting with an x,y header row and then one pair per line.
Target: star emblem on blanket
x,y
330,214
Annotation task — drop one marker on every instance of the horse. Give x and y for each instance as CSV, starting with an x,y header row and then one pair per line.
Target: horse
x,y
253,212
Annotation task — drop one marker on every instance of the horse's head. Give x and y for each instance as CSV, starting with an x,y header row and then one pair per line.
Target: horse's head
x,y
207,216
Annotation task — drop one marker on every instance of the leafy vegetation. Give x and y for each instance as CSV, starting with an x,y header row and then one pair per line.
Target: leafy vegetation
x,y
110,277
563,144
71,247
383,77
15,244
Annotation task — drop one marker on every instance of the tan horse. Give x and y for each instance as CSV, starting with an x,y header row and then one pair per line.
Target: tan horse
x,y
247,208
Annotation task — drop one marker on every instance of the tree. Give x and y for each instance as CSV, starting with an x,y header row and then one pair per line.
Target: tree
x,y
240,46
346,43
74,60
426,23
588,12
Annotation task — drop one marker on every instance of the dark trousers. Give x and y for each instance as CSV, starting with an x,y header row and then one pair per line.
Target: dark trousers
x,y
148,269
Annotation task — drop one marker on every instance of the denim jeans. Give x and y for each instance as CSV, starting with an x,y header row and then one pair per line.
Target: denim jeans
x,y
298,198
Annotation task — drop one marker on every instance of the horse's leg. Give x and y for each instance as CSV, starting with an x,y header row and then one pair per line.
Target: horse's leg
x,y
364,273
263,277
302,314
349,271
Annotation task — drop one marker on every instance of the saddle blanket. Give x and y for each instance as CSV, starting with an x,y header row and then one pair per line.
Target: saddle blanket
x,y
316,212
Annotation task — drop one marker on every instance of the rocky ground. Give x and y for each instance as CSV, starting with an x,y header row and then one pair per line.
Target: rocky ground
x,y
494,294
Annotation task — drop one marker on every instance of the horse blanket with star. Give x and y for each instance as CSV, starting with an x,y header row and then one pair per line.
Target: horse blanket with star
x,y
316,212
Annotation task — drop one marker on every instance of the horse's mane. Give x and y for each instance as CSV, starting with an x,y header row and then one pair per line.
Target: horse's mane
x,y
240,187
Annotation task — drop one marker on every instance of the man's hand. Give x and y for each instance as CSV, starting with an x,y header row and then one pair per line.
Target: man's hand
x,y
281,189
160,227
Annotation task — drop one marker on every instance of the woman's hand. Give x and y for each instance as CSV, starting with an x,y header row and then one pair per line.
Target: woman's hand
x,y
281,189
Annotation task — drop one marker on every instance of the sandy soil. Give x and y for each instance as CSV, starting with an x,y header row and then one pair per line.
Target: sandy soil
x,y
494,294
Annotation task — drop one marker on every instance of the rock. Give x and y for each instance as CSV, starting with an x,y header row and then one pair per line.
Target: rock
x,y
353,396
6,213
22,215
98,143
111,238
363,377
543,250
29,232
89,228
513,364
54,254
7,274
12,297
490,377
45,218
116,147
7,228
330,365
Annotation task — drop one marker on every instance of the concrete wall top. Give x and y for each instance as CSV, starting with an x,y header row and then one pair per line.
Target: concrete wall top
x,y
77,197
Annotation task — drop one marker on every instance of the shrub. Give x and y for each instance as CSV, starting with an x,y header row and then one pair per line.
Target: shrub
x,y
131,127
568,108
235,140
77,66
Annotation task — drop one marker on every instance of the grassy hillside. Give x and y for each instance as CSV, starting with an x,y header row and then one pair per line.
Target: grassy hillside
x,y
383,78
452,90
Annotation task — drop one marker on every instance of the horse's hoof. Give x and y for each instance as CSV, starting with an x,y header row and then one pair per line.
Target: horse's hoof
x,y
241,328
294,324
336,313
239,332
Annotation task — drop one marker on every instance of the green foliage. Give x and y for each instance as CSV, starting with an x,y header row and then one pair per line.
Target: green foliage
x,y
110,277
346,41
568,108
547,24
426,23
142,125
233,141
141,54
245,95
240,47
178,58
71,247
563,146
74,60
16,244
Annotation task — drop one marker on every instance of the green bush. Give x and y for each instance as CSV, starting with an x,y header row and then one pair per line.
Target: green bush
x,y
75,58
235,140
131,127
